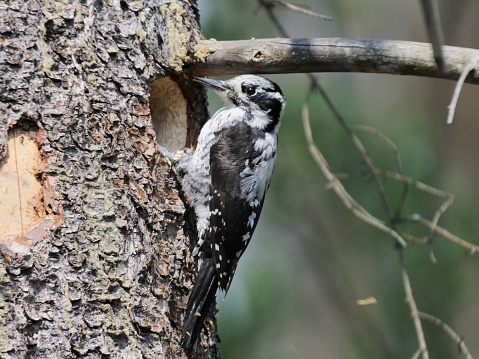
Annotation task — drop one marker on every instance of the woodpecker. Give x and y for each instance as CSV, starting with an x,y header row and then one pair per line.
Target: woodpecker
x,y
225,181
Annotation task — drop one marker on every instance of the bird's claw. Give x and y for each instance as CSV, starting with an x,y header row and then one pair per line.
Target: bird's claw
x,y
180,153
165,153
175,157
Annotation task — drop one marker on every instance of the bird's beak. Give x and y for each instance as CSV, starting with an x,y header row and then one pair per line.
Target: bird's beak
x,y
217,85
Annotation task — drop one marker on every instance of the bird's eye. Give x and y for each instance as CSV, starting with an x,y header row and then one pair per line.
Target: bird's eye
x,y
249,90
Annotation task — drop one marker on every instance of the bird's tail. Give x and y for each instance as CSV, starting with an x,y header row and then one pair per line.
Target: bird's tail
x,y
199,303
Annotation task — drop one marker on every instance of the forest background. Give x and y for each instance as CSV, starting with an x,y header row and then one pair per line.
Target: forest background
x,y
296,290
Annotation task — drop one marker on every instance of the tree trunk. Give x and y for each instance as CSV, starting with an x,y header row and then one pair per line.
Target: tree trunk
x,y
98,261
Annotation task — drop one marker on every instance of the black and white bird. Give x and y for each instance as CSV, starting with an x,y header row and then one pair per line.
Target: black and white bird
x,y
225,181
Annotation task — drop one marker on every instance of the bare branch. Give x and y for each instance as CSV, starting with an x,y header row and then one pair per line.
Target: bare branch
x,y
386,139
448,198
457,90
295,8
372,170
420,185
283,55
338,187
273,18
443,232
413,307
440,211
394,148
457,339
416,354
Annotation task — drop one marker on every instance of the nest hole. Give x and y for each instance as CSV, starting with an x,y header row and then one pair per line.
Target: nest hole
x,y
168,109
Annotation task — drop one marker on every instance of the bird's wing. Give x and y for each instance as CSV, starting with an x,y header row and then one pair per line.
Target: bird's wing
x,y
234,205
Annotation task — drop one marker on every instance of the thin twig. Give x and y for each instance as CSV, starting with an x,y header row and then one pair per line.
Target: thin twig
x,y
338,187
457,90
386,139
457,339
432,225
415,240
419,185
449,200
394,148
370,166
277,23
413,307
443,232
416,354
449,197
301,10
439,212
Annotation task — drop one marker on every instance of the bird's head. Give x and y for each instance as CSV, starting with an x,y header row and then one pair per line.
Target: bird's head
x,y
262,98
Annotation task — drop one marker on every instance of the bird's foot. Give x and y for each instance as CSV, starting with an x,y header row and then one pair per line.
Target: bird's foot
x,y
180,153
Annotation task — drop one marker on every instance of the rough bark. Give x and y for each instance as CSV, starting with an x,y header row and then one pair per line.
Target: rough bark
x,y
99,262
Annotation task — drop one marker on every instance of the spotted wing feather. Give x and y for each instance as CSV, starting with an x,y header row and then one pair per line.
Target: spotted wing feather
x,y
233,159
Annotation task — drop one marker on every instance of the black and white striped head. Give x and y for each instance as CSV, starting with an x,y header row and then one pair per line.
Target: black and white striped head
x,y
258,96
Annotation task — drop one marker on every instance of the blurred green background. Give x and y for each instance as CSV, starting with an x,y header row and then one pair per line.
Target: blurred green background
x,y
294,293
